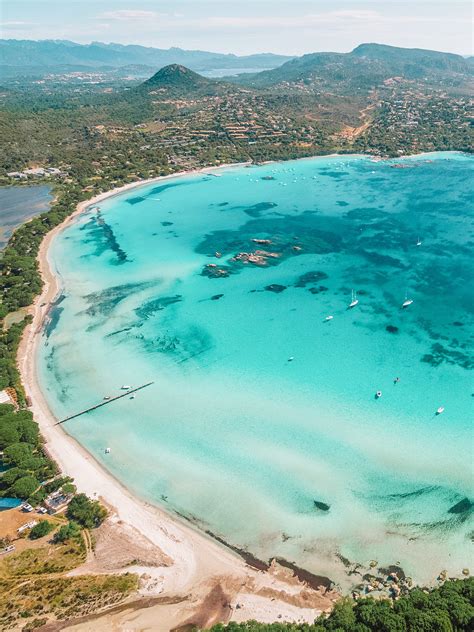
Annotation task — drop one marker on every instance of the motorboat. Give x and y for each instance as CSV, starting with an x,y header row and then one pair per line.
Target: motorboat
x,y
378,394
329,318
440,410
126,387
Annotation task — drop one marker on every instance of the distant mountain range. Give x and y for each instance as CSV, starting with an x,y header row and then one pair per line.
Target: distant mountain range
x,y
365,67
45,55
357,72
351,74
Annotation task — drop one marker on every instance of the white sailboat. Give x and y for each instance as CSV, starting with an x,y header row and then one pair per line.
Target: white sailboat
x,y
407,301
354,300
418,242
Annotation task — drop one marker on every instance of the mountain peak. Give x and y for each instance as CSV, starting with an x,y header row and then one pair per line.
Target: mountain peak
x,y
176,76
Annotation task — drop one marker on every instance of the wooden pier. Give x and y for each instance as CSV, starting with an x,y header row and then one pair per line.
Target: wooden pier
x,y
106,401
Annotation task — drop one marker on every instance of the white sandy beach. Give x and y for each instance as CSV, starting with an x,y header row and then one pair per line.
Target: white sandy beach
x,y
198,562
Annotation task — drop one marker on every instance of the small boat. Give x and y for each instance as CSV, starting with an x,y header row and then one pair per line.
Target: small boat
x,y
126,387
440,410
407,301
132,396
378,394
291,358
107,450
329,318
418,242
106,397
354,300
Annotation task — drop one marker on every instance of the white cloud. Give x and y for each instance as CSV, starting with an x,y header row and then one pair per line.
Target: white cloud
x,y
128,14
14,25
303,21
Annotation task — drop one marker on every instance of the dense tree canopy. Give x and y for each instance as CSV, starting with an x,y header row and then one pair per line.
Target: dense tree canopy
x,y
88,513
449,608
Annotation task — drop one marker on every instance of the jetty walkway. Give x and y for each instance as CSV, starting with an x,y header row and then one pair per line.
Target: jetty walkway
x,y
104,403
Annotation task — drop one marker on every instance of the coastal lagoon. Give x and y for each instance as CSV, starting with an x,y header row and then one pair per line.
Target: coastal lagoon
x,y
20,203
262,424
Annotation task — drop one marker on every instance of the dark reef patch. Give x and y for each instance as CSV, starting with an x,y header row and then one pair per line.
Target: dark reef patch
x,y
414,494
333,174
392,329
184,345
257,209
275,287
103,237
321,506
463,506
310,277
119,331
381,260
342,203
53,316
318,289
170,185
135,200
288,236
156,305
103,302
213,271
440,354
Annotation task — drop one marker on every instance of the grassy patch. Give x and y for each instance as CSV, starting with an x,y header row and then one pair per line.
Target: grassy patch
x,y
45,560
60,597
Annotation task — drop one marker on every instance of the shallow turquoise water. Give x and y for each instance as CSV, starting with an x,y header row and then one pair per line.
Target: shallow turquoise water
x,y
232,433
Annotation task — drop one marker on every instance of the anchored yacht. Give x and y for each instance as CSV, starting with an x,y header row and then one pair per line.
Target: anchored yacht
x,y
354,300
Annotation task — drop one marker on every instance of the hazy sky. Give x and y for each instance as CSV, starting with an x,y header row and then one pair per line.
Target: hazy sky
x,y
245,26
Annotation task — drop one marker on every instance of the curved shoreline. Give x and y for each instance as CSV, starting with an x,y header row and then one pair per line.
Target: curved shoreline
x,y
197,558
177,540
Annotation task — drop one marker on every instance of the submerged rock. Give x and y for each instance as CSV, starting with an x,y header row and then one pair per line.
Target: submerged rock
x,y
320,505
461,507
392,329
275,287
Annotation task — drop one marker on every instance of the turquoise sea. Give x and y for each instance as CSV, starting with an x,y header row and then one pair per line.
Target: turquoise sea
x,y
262,424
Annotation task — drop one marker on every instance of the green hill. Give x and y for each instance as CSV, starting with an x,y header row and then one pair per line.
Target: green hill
x,y
366,67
